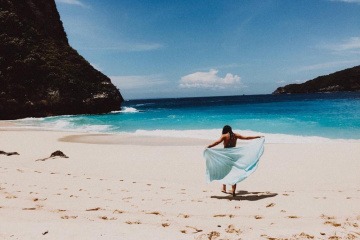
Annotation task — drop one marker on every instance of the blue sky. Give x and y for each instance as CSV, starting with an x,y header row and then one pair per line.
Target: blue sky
x,y
179,48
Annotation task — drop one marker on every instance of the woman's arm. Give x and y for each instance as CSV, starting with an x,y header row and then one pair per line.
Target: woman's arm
x,y
238,136
217,142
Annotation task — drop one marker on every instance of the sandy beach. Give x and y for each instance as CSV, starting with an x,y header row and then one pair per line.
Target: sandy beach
x,y
133,187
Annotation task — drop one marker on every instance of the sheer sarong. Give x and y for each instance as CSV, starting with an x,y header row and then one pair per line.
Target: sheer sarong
x,y
232,165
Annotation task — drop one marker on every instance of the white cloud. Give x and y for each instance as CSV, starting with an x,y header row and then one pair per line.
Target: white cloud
x,y
210,79
351,45
71,2
347,1
137,82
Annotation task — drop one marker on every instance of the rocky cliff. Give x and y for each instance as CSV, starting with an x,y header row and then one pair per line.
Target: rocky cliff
x,y
40,74
345,80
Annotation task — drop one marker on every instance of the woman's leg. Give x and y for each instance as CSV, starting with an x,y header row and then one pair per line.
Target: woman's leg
x,y
233,189
224,188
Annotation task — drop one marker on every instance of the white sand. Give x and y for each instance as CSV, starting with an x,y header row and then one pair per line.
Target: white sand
x,y
131,187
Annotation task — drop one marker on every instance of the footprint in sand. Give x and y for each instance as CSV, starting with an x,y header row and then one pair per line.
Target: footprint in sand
x,y
60,210
155,213
224,215
69,217
196,230
32,208
118,211
42,199
165,224
231,229
202,237
183,215
303,236
10,196
258,217
292,217
323,216
106,218
212,235
332,223
94,209
270,205
134,222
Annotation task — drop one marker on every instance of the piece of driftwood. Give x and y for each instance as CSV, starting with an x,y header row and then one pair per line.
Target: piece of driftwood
x,y
57,153
9,153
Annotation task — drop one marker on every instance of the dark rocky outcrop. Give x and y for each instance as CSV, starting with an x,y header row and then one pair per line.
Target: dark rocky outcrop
x,y
347,80
40,74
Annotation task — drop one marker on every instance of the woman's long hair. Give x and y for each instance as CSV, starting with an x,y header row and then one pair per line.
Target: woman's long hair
x,y
227,129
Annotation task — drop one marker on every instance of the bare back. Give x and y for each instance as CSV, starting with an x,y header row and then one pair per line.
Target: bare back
x,y
229,140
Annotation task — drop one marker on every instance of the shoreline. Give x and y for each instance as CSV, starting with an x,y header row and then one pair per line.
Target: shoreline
x,y
196,136
157,190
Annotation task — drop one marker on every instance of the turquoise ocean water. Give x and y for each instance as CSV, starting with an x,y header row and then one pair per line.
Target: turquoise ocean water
x,y
316,116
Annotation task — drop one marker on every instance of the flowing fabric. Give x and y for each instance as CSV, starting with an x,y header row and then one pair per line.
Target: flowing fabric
x,y
232,165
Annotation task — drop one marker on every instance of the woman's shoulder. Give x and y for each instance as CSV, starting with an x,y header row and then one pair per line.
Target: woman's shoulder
x,y
238,135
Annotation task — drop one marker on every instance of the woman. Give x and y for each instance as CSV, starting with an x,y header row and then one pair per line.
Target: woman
x,y
229,138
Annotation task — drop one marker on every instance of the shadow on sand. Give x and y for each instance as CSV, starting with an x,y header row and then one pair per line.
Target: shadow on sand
x,y
248,196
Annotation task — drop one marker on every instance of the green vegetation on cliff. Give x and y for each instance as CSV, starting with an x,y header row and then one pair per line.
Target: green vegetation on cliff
x,y
347,80
40,74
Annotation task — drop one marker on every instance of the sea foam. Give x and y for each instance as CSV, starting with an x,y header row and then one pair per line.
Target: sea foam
x,y
215,134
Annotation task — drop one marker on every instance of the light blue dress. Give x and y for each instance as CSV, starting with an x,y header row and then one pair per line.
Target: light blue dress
x,y
232,165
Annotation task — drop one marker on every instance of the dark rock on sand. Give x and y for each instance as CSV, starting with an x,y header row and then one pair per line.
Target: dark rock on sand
x,y
9,153
57,153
